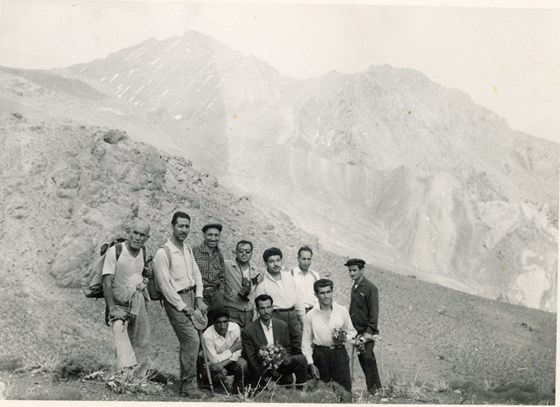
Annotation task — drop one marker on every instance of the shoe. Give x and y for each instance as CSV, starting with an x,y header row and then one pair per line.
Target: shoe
x,y
193,394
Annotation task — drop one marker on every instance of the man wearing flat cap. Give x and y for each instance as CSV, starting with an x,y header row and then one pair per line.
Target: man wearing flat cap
x,y
364,311
210,261
281,286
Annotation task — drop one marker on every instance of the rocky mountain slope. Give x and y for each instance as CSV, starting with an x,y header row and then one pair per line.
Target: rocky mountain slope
x,y
441,187
68,187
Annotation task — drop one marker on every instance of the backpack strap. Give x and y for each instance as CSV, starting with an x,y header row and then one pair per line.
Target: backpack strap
x,y
168,252
118,250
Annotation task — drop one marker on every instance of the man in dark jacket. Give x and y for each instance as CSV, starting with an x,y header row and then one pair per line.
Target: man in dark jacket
x,y
364,311
269,331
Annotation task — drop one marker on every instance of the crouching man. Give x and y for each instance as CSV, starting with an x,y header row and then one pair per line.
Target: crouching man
x,y
222,342
269,349
125,293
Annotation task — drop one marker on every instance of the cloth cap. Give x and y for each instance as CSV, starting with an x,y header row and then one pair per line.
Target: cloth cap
x,y
355,262
200,320
211,225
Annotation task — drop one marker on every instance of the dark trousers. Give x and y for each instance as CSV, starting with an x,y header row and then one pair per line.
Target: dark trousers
x,y
295,328
369,366
189,341
239,371
241,318
333,365
213,298
296,364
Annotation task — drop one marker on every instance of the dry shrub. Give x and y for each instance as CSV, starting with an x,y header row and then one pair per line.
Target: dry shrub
x,y
313,392
76,366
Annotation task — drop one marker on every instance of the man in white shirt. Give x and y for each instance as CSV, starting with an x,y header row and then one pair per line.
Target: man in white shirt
x,y
305,277
326,354
124,292
281,286
181,285
222,342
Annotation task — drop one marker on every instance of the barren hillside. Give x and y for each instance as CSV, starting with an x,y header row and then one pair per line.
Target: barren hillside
x,y
66,188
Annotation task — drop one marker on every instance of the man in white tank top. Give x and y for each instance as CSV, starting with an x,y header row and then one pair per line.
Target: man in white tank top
x,y
125,293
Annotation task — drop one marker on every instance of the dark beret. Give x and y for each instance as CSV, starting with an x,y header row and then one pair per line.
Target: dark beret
x,y
355,262
211,225
273,251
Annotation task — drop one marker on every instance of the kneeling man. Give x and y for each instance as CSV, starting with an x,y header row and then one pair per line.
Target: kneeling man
x,y
266,331
327,327
222,342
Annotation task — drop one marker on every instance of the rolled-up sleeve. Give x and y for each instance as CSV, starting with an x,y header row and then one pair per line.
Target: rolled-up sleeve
x,y
213,356
307,339
161,270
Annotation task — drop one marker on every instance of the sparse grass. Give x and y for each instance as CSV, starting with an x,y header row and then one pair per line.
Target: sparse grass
x,y
76,366
315,392
52,394
515,393
131,382
402,389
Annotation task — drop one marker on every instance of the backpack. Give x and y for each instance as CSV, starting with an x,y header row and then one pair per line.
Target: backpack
x,y
92,280
153,286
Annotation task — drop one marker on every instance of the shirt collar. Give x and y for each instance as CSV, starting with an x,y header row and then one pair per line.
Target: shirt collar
x,y
362,280
267,275
205,249
300,271
174,248
266,328
236,266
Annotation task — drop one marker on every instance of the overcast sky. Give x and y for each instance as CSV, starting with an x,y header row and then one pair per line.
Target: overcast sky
x,y
506,58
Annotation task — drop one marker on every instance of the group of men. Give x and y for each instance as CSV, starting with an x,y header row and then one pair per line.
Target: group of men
x,y
247,311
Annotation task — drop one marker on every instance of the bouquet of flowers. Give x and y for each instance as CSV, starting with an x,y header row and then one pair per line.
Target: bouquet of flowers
x,y
339,336
360,344
272,356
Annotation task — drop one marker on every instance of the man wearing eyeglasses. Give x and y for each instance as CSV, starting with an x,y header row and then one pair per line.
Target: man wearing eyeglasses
x,y
241,277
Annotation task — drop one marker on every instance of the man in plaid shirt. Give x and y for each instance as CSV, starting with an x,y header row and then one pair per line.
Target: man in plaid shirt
x,y
210,261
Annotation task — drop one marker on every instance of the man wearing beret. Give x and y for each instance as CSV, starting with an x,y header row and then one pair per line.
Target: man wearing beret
x,y
364,311
210,261
281,286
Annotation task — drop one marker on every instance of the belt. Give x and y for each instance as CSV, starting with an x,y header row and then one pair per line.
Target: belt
x,y
186,290
277,310
331,347
210,288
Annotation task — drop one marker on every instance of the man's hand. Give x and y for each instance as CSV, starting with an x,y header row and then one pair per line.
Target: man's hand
x,y
370,337
118,314
199,304
314,371
236,346
257,279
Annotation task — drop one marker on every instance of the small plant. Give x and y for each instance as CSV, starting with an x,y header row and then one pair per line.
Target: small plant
x,y
440,386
